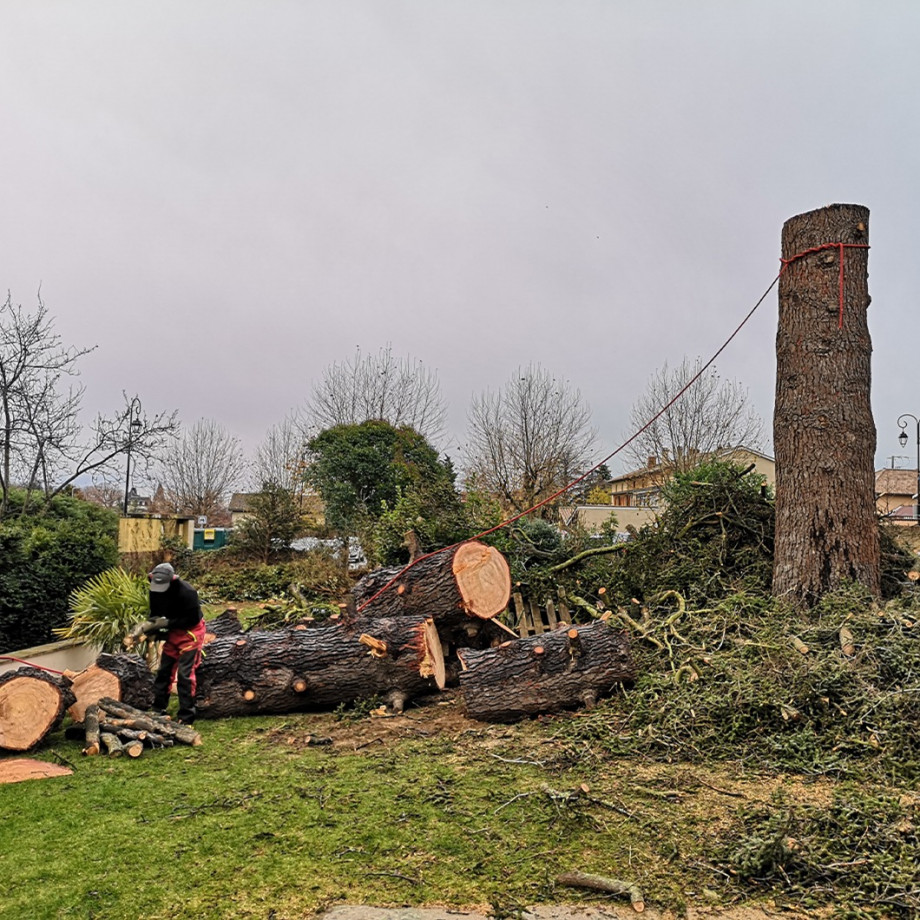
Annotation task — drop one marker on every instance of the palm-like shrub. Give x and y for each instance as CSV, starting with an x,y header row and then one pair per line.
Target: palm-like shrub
x,y
103,611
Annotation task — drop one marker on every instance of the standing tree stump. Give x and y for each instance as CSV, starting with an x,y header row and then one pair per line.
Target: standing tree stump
x,y
32,705
823,430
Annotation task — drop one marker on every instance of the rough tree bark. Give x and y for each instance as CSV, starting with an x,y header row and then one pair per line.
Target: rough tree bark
x,y
121,677
559,670
459,589
32,705
295,669
823,430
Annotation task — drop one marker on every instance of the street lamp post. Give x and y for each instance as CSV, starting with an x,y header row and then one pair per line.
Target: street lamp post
x,y
903,438
134,425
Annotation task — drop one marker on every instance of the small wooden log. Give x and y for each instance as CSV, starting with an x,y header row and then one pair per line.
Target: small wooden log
x,y
287,670
32,705
113,746
91,730
119,677
606,885
527,677
227,624
134,748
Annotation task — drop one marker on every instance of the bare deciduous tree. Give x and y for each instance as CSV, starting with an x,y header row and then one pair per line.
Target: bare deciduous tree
x,y
202,470
528,440
713,413
280,458
400,391
42,444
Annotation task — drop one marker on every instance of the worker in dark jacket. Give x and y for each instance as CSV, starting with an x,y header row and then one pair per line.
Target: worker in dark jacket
x,y
175,615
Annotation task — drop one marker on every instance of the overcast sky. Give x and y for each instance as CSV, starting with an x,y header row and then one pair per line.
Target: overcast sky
x,y
226,197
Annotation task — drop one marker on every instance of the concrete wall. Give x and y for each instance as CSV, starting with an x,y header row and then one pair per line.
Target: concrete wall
x,y
67,655
593,517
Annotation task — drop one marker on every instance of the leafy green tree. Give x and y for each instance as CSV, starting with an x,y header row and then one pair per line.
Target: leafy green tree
x,y
46,556
371,472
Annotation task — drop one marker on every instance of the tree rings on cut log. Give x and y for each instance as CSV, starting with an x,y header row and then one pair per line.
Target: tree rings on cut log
x,y
483,579
470,580
119,677
547,673
32,704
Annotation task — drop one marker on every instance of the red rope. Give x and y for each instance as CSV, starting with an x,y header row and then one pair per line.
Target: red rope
x,y
597,466
839,247
31,664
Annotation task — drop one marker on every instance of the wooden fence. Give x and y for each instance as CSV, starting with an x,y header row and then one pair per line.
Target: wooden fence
x,y
533,619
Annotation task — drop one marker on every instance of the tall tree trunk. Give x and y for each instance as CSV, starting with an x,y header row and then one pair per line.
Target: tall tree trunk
x,y
823,430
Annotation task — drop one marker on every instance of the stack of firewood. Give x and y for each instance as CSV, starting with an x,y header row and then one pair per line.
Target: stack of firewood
x,y
119,729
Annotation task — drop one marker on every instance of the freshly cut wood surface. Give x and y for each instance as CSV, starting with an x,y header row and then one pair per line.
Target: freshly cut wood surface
x,y
18,769
119,677
32,704
470,582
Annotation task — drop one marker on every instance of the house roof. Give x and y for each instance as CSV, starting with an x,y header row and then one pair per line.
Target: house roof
x,y
896,482
240,501
658,466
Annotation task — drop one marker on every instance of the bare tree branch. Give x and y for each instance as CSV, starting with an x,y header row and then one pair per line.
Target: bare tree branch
x,y
401,391
714,413
528,440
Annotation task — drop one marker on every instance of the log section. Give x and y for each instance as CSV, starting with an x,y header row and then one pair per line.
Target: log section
x,y
32,705
472,580
119,677
295,669
558,670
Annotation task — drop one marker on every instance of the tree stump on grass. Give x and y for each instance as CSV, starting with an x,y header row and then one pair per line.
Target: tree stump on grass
x,y
119,677
32,705
298,668
459,589
559,670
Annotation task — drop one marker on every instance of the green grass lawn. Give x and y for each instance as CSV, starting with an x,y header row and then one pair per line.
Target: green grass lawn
x,y
425,808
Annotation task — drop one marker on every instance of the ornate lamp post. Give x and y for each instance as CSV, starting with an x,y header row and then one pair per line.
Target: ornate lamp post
x,y
902,439
134,426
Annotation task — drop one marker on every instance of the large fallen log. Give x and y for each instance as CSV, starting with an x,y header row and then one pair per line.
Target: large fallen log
x,y
563,669
297,668
459,589
32,705
119,677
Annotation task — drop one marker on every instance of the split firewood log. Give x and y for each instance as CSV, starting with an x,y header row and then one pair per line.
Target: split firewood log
x,y
32,705
119,677
295,669
460,589
562,669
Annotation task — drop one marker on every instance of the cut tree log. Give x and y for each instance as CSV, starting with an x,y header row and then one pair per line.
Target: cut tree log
x,y
558,670
227,624
91,728
296,669
460,589
32,705
118,677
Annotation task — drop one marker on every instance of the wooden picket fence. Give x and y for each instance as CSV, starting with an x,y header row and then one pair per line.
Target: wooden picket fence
x,y
533,619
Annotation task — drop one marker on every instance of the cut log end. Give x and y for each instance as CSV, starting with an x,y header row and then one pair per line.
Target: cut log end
x,y
483,579
28,709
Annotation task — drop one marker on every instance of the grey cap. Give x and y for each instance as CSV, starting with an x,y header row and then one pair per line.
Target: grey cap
x,y
161,577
